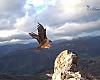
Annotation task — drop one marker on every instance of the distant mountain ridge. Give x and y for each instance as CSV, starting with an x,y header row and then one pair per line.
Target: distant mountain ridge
x,y
8,48
31,61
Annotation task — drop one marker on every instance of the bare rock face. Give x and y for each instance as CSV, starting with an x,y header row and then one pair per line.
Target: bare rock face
x,y
66,68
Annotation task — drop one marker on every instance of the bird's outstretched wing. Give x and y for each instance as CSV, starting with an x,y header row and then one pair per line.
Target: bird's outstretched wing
x,y
41,32
35,36
41,37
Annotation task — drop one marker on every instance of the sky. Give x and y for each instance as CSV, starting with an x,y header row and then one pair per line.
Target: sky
x,y
63,19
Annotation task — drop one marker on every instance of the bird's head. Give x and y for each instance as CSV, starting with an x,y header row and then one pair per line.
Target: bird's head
x,y
30,33
50,41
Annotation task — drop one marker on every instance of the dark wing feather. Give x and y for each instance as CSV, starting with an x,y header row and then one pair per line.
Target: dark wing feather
x,y
45,34
35,36
41,32
41,37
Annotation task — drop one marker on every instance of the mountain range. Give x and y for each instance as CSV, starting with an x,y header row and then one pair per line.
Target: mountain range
x,y
25,59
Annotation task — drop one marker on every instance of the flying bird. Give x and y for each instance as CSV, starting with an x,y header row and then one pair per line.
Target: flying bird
x,y
41,37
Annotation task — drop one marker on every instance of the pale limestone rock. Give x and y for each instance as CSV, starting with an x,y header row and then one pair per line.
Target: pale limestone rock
x,y
65,60
65,67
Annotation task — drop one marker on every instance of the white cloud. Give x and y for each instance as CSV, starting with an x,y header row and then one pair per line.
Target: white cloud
x,y
92,34
10,10
62,18
11,7
71,30
68,11
79,27
17,36
38,2
26,24
14,41
7,33
6,25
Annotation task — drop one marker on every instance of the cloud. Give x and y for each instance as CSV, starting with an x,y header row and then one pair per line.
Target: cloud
x,y
21,36
62,18
11,7
68,11
26,24
10,10
6,25
15,41
13,13
76,28
70,30
92,34
73,30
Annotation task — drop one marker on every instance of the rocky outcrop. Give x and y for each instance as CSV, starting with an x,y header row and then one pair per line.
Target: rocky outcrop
x,y
66,67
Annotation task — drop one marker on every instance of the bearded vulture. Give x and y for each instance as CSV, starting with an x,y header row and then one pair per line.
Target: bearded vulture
x,y
41,37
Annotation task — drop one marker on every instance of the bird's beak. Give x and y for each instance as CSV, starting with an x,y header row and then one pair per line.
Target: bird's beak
x,y
50,41
30,33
